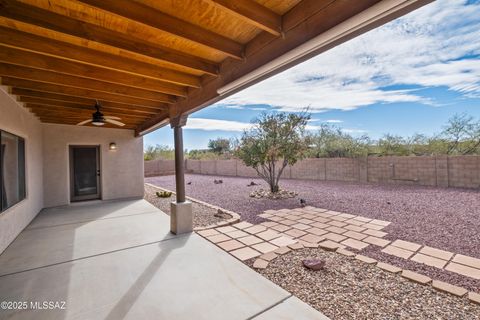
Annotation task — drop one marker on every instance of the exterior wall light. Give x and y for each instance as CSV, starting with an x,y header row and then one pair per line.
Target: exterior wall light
x,y
112,146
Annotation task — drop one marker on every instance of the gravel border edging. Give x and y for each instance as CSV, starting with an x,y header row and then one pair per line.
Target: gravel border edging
x,y
405,273
234,219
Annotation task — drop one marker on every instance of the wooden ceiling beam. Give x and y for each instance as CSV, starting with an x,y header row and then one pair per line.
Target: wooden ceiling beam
x,y
254,13
60,49
21,72
265,48
42,18
86,101
38,61
44,87
147,15
75,105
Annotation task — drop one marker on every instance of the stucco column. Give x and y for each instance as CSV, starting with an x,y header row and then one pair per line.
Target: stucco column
x,y
181,215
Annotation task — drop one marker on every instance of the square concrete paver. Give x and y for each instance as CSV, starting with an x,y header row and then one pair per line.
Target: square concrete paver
x,y
354,228
264,247
218,238
355,222
295,233
446,287
288,222
336,230
375,233
305,221
355,244
463,270
208,232
260,264
269,224
312,238
242,225
362,219
269,256
334,237
282,250
250,240
416,277
316,231
355,235
301,226
245,253
337,224
255,229
320,225
376,241
437,253
372,226
282,241
281,228
466,260
397,252
388,267
237,234
430,261
230,245
226,229
380,222
268,235
406,245
322,219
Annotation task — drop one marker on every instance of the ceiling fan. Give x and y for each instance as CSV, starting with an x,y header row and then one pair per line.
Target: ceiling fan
x,y
98,119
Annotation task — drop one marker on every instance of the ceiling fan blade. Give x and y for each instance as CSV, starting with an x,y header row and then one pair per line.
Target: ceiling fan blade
x,y
118,123
113,118
84,122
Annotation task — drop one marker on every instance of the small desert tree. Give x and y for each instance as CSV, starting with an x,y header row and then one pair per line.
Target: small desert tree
x,y
219,145
274,141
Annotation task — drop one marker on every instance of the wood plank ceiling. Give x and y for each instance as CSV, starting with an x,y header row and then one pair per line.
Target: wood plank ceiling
x,y
146,61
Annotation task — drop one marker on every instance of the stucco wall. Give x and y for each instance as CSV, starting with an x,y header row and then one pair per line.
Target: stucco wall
x,y
121,170
17,120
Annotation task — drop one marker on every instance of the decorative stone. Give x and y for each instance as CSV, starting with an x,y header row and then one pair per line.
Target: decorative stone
x,y
314,264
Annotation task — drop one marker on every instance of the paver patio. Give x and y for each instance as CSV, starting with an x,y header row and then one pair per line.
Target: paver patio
x,y
118,260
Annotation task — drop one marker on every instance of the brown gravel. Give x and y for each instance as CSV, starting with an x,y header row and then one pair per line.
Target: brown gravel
x,y
350,289
203,216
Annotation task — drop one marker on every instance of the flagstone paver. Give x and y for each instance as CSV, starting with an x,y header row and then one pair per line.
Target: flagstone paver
x,y
376,241
218,238
334,237
245,253
250,240
268,234
463,270
355,244
466,260
406,245
416,277
230,245
398,252
264,247
446,287
282,241
355,235
437,253
430,261
388,267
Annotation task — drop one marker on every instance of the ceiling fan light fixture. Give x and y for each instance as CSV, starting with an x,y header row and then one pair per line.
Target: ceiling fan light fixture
x,y
98,123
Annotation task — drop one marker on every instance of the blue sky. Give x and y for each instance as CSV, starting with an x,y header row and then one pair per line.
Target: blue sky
x,y
408,76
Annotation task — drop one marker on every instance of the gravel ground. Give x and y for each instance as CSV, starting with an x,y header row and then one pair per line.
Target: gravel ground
x,y
447,219
349,289
204,216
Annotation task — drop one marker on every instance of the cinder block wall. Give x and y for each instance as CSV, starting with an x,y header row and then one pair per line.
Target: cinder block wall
x,y
440,171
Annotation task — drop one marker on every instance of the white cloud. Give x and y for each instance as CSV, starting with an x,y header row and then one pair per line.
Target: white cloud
x,y
214,124
423,49
333,121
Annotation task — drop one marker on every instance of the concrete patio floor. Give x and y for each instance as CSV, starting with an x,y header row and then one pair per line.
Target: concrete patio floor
x,y
118,260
